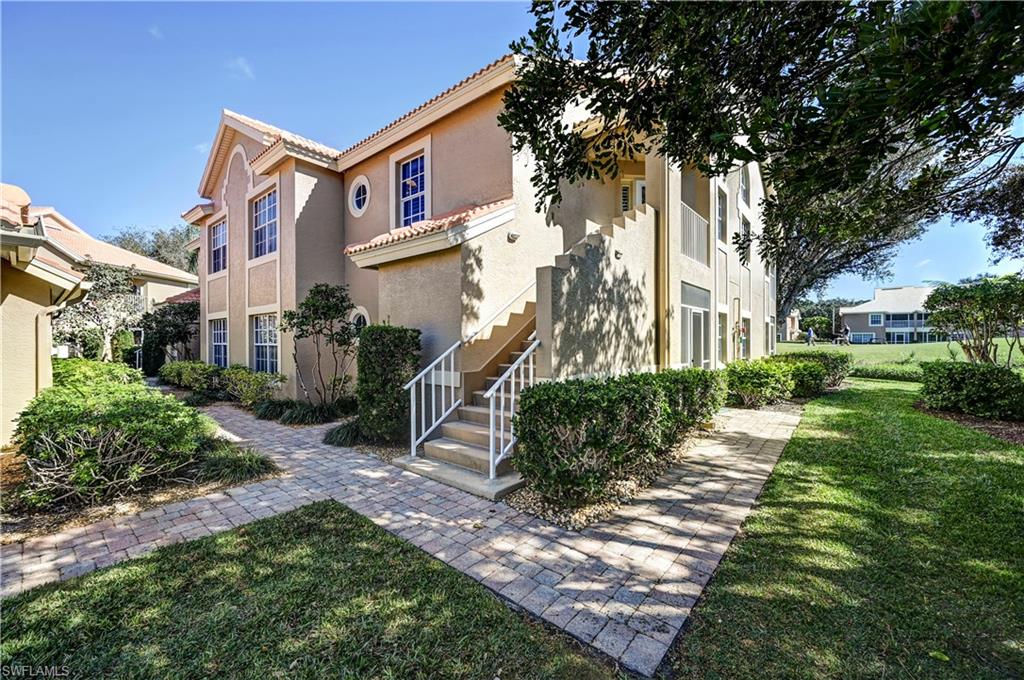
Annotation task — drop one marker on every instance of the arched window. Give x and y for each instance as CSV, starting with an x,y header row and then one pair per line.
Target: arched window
x,y
359,318
745,184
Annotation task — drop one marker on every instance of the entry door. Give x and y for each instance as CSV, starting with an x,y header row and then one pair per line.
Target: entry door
x,y
899,338
696,338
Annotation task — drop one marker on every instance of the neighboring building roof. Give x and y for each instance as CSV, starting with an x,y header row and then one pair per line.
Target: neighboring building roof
x,y
896,300
458,217
82,247
191,295
14,203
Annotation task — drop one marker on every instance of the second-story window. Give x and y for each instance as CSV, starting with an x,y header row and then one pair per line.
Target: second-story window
x,y
745,184
722,217
745,233
264,224
218,247
412,201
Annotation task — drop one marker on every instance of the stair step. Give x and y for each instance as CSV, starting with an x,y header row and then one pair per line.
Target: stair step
x,y
474,434
481,414
480,401
461,478
468,456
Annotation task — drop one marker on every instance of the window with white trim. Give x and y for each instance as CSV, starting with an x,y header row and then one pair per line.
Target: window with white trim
x,y
218,247
722,216
412,196
862,338
359,319
264,224
359,196
745,184
264,343
745,233
219,342
875,319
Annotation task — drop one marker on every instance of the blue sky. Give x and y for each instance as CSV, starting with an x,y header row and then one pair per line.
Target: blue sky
x,y
109,109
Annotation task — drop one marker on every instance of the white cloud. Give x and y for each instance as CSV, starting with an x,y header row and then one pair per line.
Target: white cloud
x,y
240,68
923,263
203,148
155,31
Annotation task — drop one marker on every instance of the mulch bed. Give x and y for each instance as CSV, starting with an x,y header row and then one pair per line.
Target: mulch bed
x,y
1007,430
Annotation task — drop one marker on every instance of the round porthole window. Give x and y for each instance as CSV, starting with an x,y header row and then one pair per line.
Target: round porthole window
x,y
359,196
359,320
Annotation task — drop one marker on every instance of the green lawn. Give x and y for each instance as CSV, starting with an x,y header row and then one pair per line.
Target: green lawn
x,y
887,543
317,592
896,354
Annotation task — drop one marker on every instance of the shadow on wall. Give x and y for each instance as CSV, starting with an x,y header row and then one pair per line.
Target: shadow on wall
x,y
603,321
472,291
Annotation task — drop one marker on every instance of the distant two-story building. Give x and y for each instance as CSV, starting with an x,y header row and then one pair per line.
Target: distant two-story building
x,y
431,223
894,316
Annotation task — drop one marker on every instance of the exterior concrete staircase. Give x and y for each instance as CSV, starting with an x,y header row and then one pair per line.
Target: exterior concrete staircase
x,y
460,457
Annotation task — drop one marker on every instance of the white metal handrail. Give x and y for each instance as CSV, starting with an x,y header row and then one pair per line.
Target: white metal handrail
x,y
498,448
446,400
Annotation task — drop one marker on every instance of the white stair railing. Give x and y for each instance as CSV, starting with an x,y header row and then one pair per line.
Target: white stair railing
x,y
446,401
503,392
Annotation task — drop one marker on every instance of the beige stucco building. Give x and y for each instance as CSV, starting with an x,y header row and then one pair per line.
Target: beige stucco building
x,y
431,222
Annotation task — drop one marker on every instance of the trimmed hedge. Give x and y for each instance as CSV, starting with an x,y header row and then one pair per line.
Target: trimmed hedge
x,y
809,378
837,364
197,376
388,358
982,390
88,372
903,372
759,382
84,445
577,437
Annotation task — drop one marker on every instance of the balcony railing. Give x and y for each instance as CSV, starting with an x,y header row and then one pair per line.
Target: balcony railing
x,y
695,236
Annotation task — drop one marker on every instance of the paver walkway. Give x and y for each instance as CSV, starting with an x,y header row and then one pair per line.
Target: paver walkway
x,y
625,585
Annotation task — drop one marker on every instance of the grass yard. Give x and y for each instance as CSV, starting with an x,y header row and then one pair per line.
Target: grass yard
x,y
317,592
896,354
887,543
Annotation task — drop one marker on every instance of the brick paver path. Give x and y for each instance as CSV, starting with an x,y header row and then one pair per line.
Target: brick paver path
x,y
625,585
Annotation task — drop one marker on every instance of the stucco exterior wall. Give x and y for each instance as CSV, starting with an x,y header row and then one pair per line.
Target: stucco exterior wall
x,y
156,292
216,295
26,356
263,284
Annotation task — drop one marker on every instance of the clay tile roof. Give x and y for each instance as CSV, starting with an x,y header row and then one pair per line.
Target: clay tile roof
x,y
191,295
456,86
278,135
455,218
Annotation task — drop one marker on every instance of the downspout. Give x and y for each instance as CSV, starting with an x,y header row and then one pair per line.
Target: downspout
x,y
661,269
44,344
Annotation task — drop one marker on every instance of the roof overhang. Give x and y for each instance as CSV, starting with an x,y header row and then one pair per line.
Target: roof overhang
x,y
272,156
490,78
197,213
221,149
434,241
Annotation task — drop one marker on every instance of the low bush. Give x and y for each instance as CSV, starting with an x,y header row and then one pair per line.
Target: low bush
x,y
248,386
85,445
197,399
346,434
693,396
809,378
305,413
272,409
388,358
197,376
225,462
87,372
347,405
837,364
759,382
897,371
577,436
983,390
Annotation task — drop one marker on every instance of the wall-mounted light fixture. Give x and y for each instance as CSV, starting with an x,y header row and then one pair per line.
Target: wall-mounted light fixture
x,y
513,236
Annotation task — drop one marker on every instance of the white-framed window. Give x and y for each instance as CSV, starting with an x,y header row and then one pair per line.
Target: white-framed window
x,y
722,217
412,181
264,224
875,319
745,233
264,343
745,185
359,196
219,342
862,338
218,247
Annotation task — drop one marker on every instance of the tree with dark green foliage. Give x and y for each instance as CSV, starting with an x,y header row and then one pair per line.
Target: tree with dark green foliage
x,y
109,307
322,320
824,306
170,326
389,357
979,311
868,119
1000,207
169,245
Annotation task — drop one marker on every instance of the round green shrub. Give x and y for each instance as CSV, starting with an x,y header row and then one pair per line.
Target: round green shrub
x,y
87,372
759,382
837,365
693,395
198,376
809,378
983,390
84,445
248,386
